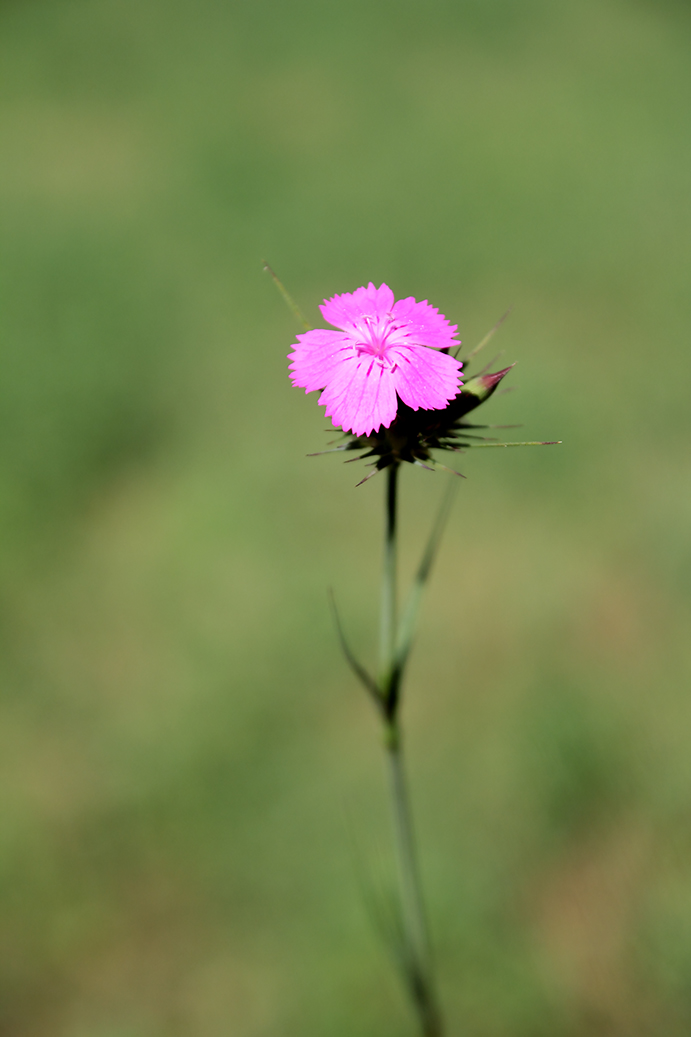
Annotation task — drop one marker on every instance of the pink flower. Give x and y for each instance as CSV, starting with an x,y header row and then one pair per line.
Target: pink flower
x,y
383,352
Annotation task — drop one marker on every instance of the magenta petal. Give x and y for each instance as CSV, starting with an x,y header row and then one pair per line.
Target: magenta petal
x,y
424,325
346,311
425,378
317,356
362,396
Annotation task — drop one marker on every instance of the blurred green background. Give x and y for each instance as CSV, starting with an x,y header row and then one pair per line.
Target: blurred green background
x,y
191,780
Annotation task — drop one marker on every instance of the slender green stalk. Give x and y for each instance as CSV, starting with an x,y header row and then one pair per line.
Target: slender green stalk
x,y
417,958
415,951
387,640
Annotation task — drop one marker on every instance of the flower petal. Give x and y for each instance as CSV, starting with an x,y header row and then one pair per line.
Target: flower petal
x,y
423,377
317,357
423,325
362,395
346,311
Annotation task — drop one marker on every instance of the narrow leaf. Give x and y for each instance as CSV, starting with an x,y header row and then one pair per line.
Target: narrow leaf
x,y
452,471
360,457
332,450
292,305
370,475
492,362
486,339
358,669
476,446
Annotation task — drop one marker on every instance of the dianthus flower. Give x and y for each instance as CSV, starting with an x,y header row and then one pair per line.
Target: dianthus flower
x,y
384,352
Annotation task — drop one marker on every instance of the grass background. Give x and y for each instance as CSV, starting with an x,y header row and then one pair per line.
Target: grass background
x,y
189,773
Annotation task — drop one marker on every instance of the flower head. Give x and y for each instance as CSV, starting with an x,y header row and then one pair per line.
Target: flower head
x,y
384,353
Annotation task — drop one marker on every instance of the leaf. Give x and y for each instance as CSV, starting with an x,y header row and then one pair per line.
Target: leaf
x,y
358,669
292,305
486,339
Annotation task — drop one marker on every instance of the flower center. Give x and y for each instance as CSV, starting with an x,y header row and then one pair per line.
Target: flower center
x,y
374,334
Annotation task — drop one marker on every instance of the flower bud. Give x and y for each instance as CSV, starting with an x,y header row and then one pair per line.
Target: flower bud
x,y
475,391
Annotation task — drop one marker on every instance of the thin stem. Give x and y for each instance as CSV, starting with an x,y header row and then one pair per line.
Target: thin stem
x,y
417,959
389,589
415,949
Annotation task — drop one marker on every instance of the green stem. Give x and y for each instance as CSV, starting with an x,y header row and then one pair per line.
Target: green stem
x,y
387,628
417,960
416,953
